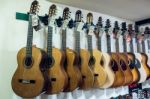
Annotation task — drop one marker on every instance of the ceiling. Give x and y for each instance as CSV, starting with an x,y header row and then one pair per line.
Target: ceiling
x,y
133,10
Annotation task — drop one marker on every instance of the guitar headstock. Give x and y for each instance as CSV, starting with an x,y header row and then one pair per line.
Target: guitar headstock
x,y
116,29
99,27
123,28
66,17
34,9
130,31
147,33
107,26
52,14
89,23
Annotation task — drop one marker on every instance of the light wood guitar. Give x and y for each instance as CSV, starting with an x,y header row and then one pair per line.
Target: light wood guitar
x,y
123,56
86,69
71,64
57,75
108,59
120,66
30,80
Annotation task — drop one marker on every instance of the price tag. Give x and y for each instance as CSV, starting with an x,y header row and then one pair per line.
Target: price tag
x,y
34,20
91,29
80,26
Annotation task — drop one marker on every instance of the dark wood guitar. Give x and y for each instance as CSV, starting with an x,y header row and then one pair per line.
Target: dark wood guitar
x,y
71,64
30,78
120,63
86,70
132,58
57,75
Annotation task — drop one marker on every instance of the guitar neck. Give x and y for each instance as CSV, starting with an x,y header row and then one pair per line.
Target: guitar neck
x,y
77,42
64,39
131,46
49,41
125,45
29,38
143,47
90,49
138,46
99,43
108,44
117,45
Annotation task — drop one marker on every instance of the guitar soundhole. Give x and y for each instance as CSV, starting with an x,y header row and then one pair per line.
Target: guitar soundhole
x,y
50,61
114,65
102,62
83,77
95,75
53,79
131,64
123,65
28,61
92,61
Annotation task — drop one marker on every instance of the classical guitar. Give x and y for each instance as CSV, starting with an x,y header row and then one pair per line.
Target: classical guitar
x,y
30,79
122,56
144,59
120,64
57,75
108,59
131,55
86,70
139,57
71,64
100,75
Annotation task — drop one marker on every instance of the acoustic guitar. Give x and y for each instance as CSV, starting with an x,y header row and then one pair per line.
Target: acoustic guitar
x,y
139,57
120,64
144,61
57,75
30,80
123,56
131,55
100,75
86,69
71,64
108,62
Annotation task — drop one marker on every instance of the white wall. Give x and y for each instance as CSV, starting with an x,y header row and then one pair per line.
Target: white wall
x,y
13,36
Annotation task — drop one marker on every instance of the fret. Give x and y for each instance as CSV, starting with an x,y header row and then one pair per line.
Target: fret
x,y
108,44
99,43
49,41
90,44
64,40
125,45
29,38
77,44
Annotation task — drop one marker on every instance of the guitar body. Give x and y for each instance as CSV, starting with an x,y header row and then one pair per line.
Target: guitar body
x,y
74,74
126,69
57,73
87,73
119,75
99,72
133,67
138,59
30,82
110,74
144,62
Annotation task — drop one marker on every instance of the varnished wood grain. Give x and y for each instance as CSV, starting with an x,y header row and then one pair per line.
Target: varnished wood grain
x,y
127,72
87,73
110,74
72,70
33,73
98,70
57,72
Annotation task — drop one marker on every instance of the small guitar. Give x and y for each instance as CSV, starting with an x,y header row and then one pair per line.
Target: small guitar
x,y
86,70
120,64
131,56
123,57
30,78
71,64
108,59
57,75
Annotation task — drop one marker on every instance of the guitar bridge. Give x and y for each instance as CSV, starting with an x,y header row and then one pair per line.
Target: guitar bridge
x,y
26,81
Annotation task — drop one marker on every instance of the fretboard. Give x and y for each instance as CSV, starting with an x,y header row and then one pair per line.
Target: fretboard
x,y
99,43
143,47
29,38
124,45
131,46
108,44
138,46
77,41
64,40
117,45
49,41
90,49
